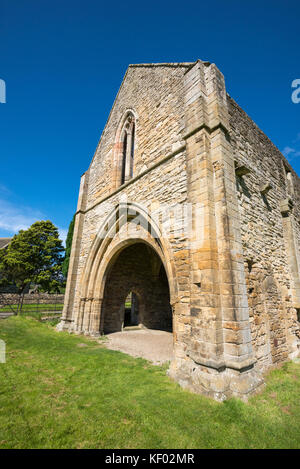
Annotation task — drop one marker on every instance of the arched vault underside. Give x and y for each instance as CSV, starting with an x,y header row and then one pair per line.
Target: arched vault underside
x,y
129,254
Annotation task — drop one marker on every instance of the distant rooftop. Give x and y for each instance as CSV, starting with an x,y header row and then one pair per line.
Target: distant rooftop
x,y
4,242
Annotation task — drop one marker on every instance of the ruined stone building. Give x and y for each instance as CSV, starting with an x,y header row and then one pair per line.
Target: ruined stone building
x,y
177,147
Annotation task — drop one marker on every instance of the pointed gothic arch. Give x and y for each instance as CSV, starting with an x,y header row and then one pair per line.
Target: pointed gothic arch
x,y
114,237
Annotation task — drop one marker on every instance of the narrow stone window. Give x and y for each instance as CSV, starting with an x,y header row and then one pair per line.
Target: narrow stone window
x,y
132,150
250,263
123,150
124,158
128,137
249,279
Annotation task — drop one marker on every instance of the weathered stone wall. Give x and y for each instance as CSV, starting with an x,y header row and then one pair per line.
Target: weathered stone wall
x,y
152,191
234,276
155,95
33,298
272,310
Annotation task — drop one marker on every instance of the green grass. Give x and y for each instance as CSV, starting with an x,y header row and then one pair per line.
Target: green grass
x,y
52,318
64,391
33,307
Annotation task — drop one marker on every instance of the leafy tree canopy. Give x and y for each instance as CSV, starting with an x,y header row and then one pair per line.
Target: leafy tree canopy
x,y
34,256
65,265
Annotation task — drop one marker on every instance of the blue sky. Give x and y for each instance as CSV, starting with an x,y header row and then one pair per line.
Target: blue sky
x,y
63,62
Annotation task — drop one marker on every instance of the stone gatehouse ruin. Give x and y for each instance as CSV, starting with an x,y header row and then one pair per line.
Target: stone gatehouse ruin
x,y
190,208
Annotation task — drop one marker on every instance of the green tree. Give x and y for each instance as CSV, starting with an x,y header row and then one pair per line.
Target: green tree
x,y
65,264
34,256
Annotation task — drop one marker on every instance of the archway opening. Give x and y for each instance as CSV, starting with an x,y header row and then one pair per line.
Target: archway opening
x,y
131,310
136,291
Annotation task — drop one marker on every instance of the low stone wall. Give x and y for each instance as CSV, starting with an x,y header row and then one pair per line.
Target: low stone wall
x,y
34,298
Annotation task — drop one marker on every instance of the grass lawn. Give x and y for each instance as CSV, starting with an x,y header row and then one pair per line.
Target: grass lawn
x,y
33,307
64,391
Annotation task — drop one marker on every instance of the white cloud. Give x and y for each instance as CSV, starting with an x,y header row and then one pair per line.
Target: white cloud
x,y
14,218
63,235
292,152
287,151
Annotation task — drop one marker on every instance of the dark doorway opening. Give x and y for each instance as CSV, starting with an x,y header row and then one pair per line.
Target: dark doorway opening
x,y
139,272
131,312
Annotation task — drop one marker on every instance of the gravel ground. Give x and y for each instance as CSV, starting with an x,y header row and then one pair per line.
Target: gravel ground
x,y
155,346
